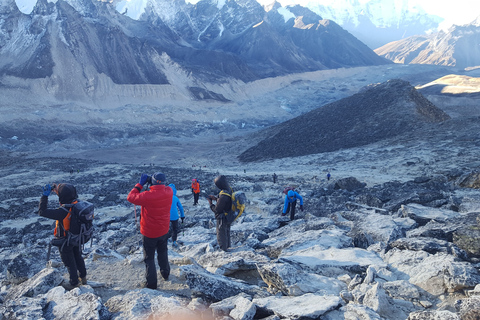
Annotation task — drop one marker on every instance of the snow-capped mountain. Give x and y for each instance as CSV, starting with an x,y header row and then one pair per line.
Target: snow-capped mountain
x,y
459,47
83,41
378,22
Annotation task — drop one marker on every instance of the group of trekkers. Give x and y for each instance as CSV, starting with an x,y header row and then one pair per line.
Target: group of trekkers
x,y
160,213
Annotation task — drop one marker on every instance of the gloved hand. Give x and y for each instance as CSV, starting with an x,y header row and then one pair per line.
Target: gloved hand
x,y
143,179
183,218
46,190
301,207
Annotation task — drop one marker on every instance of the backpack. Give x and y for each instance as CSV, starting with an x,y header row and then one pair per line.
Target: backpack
x,y
239,201
288,189
81,223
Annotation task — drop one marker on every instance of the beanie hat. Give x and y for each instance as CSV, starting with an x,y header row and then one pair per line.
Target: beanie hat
x,y
158,178
66,193
290,193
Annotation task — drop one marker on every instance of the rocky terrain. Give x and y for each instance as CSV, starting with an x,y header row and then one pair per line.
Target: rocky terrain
x,y
392,235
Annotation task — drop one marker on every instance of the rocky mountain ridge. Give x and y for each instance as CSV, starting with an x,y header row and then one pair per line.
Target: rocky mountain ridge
x,y
74,44
459,47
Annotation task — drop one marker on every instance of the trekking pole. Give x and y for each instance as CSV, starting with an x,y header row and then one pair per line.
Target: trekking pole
x,y
49,251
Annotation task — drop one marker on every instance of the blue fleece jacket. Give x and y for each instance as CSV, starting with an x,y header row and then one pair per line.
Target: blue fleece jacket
x,y
176,205
290,200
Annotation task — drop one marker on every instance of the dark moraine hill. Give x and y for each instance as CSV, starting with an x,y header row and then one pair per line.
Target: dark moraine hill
x,y
381,111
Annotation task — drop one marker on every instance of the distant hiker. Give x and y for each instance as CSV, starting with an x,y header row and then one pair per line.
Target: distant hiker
x,y
290,203
175,208
224,204
70,254
328,176
274,177
195,191
154,224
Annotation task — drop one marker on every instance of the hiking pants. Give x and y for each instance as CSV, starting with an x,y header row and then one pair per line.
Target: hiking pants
x,y
73,260
150,246
291,208
174,229
195,198
223,234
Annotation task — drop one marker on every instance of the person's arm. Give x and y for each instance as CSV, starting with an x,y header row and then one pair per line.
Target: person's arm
x,y
55,214
285,204
301,199
180,208
135,196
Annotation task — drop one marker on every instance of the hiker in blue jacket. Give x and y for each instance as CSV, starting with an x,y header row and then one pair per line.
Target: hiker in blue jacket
x,y
176,207
290,203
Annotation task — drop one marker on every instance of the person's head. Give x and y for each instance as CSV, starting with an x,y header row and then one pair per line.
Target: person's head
x,y
290,194
221,182
66,193
194,180
158,178
171,185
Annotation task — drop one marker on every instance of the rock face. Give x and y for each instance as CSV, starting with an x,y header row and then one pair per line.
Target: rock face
x,y
382,111
459,47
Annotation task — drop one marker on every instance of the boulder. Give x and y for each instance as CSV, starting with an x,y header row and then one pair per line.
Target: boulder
x,y
23,308
422,214
470,180
308,306
223,263
333,261
349,184
25,265
78,303
429,245
213,287
433,315
39,284
291,281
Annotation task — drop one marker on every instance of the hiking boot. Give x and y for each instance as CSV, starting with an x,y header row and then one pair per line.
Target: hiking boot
x,y
146,285
83,280
68,286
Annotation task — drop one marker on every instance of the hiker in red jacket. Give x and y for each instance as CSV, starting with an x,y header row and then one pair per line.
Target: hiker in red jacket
x,y
154,224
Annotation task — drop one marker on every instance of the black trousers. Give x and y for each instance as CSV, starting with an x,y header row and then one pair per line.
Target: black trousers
x,y
150,246
174,229
291,207
195,198
223,234
73,260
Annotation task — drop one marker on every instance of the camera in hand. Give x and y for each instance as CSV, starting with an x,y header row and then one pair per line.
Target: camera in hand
x,y
149,180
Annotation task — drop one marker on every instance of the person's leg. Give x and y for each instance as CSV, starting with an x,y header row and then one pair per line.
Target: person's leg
x,y
229,240
222,237
68,259
149,246
82,271
292,210
195,198
162,256
174,229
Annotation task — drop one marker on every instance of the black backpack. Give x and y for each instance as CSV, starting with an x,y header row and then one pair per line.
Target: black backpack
x,y
81,223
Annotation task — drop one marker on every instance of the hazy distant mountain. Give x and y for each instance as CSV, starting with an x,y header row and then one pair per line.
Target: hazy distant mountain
x,y
459,47
378,22
77,40
382,111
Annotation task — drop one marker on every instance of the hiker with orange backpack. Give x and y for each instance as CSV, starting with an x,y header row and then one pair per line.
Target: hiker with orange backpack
x,y
195,191
69,253
224,205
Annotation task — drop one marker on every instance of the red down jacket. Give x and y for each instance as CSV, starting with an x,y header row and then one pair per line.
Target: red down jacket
x,y
155,213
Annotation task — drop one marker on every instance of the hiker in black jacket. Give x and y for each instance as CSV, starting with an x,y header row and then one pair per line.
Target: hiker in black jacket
x,y
224,204
71,255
